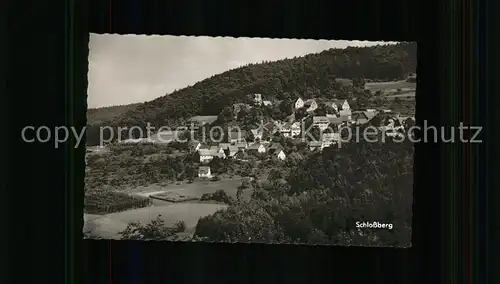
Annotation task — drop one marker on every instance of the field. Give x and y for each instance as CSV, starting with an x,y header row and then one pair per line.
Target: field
x,y
195,189
108,226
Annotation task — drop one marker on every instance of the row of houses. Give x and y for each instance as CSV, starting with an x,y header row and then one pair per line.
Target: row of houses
x,y
236,150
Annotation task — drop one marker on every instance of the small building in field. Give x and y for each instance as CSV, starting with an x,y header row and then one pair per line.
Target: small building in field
x,y
204,172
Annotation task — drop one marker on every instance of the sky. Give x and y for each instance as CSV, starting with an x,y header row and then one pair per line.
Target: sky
x,y
125,69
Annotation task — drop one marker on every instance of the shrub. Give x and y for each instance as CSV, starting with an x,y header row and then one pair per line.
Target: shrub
x,y
108,201
219,195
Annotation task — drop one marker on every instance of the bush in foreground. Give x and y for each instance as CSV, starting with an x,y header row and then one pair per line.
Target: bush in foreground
x,y
219,195
154,230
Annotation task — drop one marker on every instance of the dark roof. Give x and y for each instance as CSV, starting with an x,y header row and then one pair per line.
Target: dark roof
x,y
237,134
335,120
255,146
309,102
276,146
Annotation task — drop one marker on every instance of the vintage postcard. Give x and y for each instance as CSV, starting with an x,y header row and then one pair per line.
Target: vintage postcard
x,y
250,140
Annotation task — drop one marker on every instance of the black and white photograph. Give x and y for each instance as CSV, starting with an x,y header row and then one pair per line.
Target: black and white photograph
x,y
250,140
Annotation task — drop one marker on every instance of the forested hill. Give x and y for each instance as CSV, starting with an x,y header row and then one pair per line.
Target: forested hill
x,y
103,114
312,75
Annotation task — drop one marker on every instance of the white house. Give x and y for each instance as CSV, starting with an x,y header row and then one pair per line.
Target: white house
x,y
257,98
295,129
286,129
280,155
311,105
207,155
346,113
339,105
299,103
257,148
276,150
204,172
321,122
267,103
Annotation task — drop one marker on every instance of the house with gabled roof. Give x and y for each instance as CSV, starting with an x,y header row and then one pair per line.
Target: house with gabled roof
x,y
270,128
299,103
276,150
315,145
207,155
339,105
231,151
274,147
267,103
310,105
279,154
295,129
321,122
257,148
286,129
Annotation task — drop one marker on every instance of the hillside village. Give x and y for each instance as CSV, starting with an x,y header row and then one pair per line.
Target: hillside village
x,y
257,177
263,142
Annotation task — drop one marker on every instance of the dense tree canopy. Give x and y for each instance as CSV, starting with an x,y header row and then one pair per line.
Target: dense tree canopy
x,y
323,197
